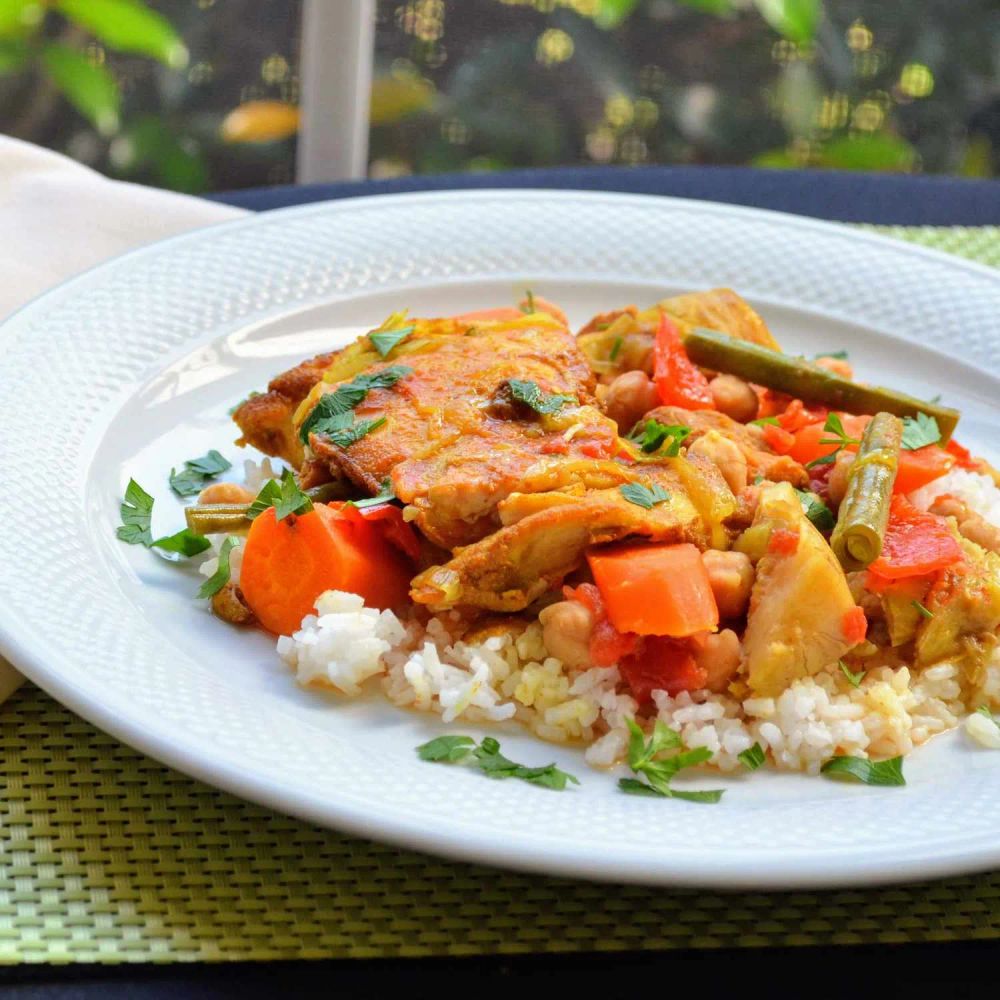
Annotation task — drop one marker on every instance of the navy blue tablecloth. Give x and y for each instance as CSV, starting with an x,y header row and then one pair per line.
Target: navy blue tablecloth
x,y
844,197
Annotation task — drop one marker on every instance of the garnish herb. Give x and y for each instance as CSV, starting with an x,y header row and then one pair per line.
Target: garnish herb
x,y
385,340
615,348
487,757
384,495
816,511
654,434
926,612
196,472
345,397
761,421
854,679
871,772
839,355
342,431
220,577
644,496
645,758
833,425
529,305
285,497
529,394
753,758
137,515
920,431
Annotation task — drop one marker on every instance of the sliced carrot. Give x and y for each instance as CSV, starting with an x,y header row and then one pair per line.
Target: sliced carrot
x,y
920,467
655,589
287,565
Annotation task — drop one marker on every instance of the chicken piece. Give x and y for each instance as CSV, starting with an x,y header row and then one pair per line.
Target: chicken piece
x,y
456,441
761,461
800,600
970,524
510,568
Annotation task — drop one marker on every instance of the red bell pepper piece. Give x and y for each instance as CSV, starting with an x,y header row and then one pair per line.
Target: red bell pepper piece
x,y
678,381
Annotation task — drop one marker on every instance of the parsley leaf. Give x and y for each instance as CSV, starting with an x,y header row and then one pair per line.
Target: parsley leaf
x,y
384,495
196,472
926,612
644,758
854,679
446,748
615,348
137,514
385,340
839,355
644,496
345,397
833,425
285,497
220,577
185,543
871,772
816,511
752,758
654,434
529,302
920,431
528,393
487,757
343,432
761,421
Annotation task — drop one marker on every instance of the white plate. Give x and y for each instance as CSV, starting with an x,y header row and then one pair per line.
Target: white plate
x,y
132,367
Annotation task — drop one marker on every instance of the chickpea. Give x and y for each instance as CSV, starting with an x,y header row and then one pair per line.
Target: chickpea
x,y
566,629
836,485
836,365
629,398
225,493
731,461
719,657
230,605
731,576
734,397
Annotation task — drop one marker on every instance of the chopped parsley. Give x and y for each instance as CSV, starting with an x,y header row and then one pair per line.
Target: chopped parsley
x,y
833,426
385,340
839,355
925,611
529,302
644,496
761,421
196,472
645,758
920,431
384,495
615,348
853,679
870,772
816,511
220,577
285,497
137,517
343,431
753,758
487,757
654,434
345,397
528,393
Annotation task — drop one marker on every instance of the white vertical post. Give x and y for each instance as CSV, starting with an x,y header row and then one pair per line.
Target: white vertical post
x,y
338,41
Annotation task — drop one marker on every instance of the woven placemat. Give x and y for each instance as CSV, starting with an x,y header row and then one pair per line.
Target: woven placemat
x,y
108,856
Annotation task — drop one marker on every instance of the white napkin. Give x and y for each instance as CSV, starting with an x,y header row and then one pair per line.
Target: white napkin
x,y
59,218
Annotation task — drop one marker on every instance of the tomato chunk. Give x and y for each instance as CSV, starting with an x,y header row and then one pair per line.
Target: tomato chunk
x,y
678,381
662,664
916,543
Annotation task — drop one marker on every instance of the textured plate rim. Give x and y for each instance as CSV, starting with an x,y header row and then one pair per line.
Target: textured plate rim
x,y
801,869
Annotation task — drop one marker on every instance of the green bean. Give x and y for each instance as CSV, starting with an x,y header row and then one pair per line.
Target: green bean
x,y
864,512
810,383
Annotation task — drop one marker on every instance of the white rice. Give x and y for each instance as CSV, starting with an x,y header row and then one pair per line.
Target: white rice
x,y
977,491
510,676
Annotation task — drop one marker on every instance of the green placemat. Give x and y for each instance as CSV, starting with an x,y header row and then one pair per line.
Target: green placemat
x,y
108,856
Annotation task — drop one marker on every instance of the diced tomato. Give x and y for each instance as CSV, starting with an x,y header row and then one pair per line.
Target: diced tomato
x,y
555,446
797,415
920,467
916,543
678,381
963,458
783,542
855,626
662,664
778,439
608,646
769,402
597,449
